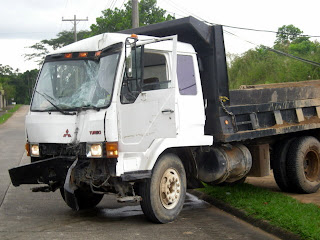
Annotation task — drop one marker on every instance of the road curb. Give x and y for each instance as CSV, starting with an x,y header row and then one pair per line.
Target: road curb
x,y
262,224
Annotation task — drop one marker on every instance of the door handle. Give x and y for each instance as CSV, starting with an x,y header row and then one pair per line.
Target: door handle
x,y
167,111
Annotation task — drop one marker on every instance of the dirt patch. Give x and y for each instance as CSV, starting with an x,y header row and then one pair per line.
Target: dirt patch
x,y
269,183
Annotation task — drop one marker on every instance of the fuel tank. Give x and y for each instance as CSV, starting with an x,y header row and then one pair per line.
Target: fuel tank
x,y
227,163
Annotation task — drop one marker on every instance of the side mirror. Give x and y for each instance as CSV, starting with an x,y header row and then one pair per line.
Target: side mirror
x,y
129,64
130,45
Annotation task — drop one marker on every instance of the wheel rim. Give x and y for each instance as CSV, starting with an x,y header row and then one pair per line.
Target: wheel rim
x,y
311,166
170,188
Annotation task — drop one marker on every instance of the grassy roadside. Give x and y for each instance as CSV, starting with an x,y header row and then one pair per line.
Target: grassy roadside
x,y
278,209
8,114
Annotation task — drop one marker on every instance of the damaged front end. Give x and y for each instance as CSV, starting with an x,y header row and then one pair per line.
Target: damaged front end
x,y
82,181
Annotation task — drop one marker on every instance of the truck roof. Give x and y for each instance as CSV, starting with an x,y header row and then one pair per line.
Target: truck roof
x,y
101,41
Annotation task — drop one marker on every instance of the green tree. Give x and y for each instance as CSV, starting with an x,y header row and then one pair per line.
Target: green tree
x,y
17,86
64,38
120,19
39,51
260,66
24,83
110,21
42,48
287,33
6,72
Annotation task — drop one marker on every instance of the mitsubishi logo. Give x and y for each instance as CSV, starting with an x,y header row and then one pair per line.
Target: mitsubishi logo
x,y
67,134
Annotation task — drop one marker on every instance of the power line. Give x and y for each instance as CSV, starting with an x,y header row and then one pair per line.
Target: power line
x,y
122,4
294,57
251,29
278,52
113,4
108,4
177,8
187,13
268,31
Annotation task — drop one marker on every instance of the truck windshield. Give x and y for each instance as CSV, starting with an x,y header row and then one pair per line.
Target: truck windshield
x,y
75,84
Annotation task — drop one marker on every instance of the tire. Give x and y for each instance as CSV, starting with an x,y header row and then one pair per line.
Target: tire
x,y
303,164
279,165
85,198
164,193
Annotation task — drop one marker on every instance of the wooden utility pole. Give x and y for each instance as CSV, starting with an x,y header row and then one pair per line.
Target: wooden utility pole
x,y
135,14
75,21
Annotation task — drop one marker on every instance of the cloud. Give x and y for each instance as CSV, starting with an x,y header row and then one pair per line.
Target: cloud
x,y
29,19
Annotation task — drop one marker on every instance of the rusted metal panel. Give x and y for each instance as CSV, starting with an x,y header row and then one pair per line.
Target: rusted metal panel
x,y
300,115
277,92
278,117
267,132
318,111
260,160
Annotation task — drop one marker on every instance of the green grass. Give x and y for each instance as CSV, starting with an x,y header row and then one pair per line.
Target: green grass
x,y
8,114
280,210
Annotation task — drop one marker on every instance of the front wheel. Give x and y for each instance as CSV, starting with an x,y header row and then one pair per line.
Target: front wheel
x,y
163,195
85,198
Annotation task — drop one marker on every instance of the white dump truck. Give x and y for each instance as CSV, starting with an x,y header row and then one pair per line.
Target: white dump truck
x,y
147,113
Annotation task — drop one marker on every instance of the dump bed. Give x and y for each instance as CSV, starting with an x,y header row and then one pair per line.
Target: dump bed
x,y
272,109
252,112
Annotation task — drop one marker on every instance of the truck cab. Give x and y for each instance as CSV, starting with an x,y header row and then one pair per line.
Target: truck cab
x,y
105,109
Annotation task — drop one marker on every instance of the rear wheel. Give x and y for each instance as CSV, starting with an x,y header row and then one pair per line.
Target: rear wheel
x,y
163,195
279,165
86,198
303,164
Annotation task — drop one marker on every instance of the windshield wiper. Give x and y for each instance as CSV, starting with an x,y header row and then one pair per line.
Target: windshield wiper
x,y
55,106
79,109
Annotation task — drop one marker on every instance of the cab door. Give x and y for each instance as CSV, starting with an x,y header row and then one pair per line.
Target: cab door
x,y
147,106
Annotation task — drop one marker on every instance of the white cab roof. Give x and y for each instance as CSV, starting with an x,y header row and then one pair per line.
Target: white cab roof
x,y
104,40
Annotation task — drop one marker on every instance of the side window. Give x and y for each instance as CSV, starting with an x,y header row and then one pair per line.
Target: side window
x,y
154,72
131,86
186,77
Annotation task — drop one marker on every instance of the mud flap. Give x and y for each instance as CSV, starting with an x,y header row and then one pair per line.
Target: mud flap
x,y
69,189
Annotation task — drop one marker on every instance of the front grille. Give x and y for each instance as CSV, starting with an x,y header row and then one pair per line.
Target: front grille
x,y
54,149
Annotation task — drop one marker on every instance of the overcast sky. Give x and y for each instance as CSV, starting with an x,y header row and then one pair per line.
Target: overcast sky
x,y
25,22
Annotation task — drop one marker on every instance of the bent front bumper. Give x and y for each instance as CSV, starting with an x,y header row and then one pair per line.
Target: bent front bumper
x,y
44,171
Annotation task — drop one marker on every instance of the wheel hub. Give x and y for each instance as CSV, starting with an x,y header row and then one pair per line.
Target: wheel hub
x,y
311,166
170,188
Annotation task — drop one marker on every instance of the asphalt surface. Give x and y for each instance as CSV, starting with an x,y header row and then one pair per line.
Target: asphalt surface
x,y
27,215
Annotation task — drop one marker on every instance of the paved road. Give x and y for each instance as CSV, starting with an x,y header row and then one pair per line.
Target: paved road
x,y
27,215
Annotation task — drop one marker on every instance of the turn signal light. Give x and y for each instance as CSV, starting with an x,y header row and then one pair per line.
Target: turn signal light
x,y
83,54
112,149
27,147
134,36
97,54
68,55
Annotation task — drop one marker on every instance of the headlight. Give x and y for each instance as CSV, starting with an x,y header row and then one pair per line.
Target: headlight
x,y
94,150
35,151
